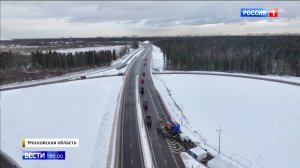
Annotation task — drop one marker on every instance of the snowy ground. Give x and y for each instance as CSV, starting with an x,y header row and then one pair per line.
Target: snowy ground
x,y
80,109
85,49
260,119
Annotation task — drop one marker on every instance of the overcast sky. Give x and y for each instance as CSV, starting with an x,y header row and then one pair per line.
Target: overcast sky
x,y
145,18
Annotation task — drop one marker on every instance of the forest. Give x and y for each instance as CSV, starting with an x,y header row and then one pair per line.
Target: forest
x,y
40,64
272,55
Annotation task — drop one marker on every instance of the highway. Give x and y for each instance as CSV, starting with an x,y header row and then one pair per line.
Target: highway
x,y
129,150
164,155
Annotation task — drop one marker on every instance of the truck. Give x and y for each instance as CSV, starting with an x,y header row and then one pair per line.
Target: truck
x,y
145,105
142,90
175,128
198,153
148,120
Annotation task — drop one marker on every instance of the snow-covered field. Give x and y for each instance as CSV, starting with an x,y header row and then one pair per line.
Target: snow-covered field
x,y
85,49
81,109
260,119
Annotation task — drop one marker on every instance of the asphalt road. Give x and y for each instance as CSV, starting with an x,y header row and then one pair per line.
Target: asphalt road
x,y
233,75
7,162
163,155
129,148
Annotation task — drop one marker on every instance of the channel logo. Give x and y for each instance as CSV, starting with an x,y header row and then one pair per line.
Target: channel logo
x,y
259,12
44,155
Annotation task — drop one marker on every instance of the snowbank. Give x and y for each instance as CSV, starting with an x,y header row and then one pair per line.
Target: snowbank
x,y
157,60
81,109
218,163
260,119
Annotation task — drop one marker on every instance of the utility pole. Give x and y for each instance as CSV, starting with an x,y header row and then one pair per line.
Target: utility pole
x,y
181,114
219,149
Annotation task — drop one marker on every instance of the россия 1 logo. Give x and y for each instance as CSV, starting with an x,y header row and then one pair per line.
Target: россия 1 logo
x,y
259,12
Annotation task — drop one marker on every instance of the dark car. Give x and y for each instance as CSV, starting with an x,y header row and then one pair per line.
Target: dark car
x,y
82,77
142,90
145,105
148,120
144,73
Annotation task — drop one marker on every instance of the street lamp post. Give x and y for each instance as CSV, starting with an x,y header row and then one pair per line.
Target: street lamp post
x,y
219,148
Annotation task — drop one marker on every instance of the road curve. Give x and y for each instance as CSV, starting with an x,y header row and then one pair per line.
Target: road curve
x,y
233,75
7,162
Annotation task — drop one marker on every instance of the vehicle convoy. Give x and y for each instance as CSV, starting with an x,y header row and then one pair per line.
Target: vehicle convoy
x,y
148,120
142,90
145,105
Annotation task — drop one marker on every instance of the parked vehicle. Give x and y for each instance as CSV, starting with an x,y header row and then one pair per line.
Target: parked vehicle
x,y
148,120
175,127
82,77
198,153
145,105
172,127
142,90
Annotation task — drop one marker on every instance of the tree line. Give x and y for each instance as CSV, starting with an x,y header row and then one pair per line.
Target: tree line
x,y
55,60
277,55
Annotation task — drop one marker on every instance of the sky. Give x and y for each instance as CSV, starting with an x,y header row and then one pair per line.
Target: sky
x,y
54,19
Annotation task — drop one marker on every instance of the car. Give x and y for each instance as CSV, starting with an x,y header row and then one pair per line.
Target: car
x,y
142,90
142,80
144,73
82,77
148,120
145,105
